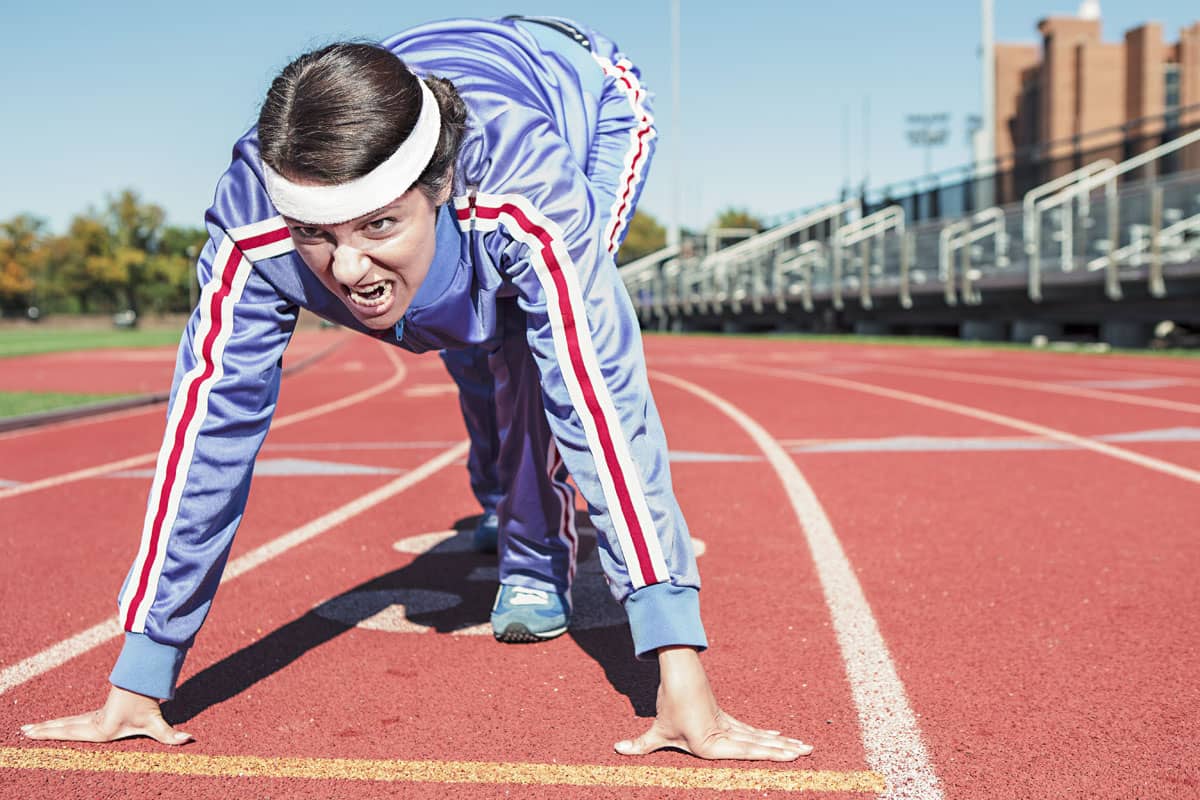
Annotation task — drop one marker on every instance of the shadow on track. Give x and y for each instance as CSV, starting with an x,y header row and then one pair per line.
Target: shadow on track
x,y
447,588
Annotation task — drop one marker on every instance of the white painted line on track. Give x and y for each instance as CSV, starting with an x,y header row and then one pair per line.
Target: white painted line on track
x,y
343,446
59,654
1042,386
302,534
1156,464
398,375
1083,368
891,736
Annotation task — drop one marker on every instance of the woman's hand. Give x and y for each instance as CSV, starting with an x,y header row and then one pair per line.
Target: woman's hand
x,y
689,719
123,714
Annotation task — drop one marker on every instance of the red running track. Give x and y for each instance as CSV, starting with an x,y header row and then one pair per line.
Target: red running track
x,y
1034,593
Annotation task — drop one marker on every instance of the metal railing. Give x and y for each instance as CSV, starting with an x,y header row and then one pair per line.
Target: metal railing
x,y
1119,218
866,231
962,238
1074,202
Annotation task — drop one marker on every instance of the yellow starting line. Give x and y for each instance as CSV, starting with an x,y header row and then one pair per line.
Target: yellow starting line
x,y
482,772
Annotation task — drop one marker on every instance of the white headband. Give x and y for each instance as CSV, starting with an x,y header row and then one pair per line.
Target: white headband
x,y
328,205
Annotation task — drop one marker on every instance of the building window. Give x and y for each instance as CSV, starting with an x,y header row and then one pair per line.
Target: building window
x,y
1171,81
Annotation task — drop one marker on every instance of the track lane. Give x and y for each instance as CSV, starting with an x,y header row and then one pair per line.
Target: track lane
x,y
808,697
879,389
1029,610
106,371
37,458
32,453
951,553
1074,390
958,655
101,519
891,734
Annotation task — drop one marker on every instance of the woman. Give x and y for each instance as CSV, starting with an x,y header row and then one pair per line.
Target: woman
x,y
462,186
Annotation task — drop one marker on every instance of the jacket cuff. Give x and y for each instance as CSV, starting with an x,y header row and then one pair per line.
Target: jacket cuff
x,y
662,615
148,667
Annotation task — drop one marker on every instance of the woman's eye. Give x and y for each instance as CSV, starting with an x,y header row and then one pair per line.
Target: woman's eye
x,y
380,225
305,232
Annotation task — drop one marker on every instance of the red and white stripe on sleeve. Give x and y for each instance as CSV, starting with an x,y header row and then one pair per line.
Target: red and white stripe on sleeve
x,y
618,476
234,259
638,154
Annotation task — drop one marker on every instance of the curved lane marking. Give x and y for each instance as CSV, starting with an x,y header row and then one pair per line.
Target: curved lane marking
x,y
891,737
1040,386
1120,453
397,610
398,374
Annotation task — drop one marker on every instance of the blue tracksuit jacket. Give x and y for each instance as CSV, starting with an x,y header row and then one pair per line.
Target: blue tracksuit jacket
x,y
527,226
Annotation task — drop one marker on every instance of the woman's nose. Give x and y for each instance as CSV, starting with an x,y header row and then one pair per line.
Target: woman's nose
x,y
349,265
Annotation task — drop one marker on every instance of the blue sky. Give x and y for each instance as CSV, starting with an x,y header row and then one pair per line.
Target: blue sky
x,y
151,95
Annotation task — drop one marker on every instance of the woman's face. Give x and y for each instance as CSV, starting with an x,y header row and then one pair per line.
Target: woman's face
x,y
374,263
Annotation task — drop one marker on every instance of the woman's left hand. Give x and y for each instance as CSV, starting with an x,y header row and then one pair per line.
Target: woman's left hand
x,y
689,719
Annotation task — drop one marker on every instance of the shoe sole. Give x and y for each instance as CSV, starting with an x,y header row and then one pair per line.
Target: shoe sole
x,y
516,633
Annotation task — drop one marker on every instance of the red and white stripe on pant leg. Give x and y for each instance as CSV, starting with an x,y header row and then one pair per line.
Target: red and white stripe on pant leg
x,y
231,269
618,476
566,517
638,154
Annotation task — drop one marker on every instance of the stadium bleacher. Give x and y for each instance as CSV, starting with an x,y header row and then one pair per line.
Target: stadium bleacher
x,y
1105,246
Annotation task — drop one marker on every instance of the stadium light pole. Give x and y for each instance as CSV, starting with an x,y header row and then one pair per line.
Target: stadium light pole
x,y
928,131
985,156
675,236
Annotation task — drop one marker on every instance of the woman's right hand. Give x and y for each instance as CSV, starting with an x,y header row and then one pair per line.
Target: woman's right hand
x,y
123,714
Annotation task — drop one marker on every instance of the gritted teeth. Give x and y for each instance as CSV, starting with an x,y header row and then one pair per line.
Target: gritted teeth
x,y
371,294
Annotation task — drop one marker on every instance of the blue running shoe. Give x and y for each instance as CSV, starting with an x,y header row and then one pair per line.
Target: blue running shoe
x,y
521,614
487,533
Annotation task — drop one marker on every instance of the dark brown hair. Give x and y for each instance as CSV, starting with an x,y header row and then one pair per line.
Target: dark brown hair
x,y
335,114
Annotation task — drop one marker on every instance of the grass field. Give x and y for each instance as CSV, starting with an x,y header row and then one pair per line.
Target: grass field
x,y
15,404
30,341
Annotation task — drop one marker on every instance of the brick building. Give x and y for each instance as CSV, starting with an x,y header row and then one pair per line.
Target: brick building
x,y
1075,96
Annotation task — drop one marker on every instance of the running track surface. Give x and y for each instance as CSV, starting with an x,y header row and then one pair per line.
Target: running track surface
x,y
959,573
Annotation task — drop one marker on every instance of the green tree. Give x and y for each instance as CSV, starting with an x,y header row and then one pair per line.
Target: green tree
x,y
738,218
135,230
81,265
644,236
124,256
21,254
171,269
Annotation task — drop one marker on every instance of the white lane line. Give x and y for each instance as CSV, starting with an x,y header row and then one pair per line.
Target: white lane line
x,y
1040,386
891,736
59,654
336,517
343,446
916,443
1133,385
432,390
1086,367
1158,465
398,375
